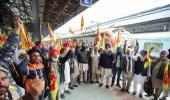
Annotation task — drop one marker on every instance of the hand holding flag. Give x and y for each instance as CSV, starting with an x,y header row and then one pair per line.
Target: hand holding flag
x,y
51,34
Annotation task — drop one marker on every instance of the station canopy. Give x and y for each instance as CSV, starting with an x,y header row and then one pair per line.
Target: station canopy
x,y
55,12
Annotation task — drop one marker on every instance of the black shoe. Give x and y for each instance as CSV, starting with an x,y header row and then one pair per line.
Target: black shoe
x,y
148,95
127,90
122,90
75,85
86,82
91,82
140,95
107,87
118,85
155,98
112,85
134,93
71,87
100,85
163,98
97,82
68,92
79,83
62,96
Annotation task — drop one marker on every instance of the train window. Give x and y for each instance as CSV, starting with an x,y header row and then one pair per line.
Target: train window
x,y
157,46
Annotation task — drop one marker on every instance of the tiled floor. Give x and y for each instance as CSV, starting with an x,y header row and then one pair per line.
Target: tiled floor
x,y
93,92
88,92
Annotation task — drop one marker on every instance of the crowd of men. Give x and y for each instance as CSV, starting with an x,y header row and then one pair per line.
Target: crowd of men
x,y
46,72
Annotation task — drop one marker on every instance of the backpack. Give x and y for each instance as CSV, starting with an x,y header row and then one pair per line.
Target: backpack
x,y
15,75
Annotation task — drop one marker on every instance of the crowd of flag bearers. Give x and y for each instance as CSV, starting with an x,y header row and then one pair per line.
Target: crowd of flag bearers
x,y
48,71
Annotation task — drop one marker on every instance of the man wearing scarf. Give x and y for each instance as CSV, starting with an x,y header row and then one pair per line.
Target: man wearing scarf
x,y
141,70
158,74
128,70
118,64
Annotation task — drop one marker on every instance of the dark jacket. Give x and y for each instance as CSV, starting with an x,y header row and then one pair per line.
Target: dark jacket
x,y
106,60
25,68
160,74
123,61
139,67
124,67
62,61
8,50
83,57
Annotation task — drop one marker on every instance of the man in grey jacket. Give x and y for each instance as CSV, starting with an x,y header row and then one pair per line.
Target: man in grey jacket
x,y
118,64
128,69
83,63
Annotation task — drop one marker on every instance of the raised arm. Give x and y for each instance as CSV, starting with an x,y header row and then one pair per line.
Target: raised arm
x,y
64,59
22,67
8,49
136,48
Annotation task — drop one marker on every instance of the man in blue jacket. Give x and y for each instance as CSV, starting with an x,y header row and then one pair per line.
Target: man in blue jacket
x,y
105,62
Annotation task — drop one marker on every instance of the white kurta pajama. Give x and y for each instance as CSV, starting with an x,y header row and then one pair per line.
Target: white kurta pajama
x,y
64,86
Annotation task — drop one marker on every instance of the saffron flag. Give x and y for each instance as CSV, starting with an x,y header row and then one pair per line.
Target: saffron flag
x,y
71,31
82,24
166,77
115,42
104,38
148,58
42,41
119,37
110,38
112,41
24,38
51,34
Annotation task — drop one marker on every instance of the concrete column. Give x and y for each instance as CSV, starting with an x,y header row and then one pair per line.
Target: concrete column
x,y
36,23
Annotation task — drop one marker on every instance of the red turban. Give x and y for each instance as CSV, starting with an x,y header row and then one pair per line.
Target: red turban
x,y
53,52
65,45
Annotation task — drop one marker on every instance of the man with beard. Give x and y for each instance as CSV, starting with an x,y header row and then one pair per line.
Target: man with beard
x,y
6,93
141,69
105,62
157,74
83,63
54,74
128,68
118,64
